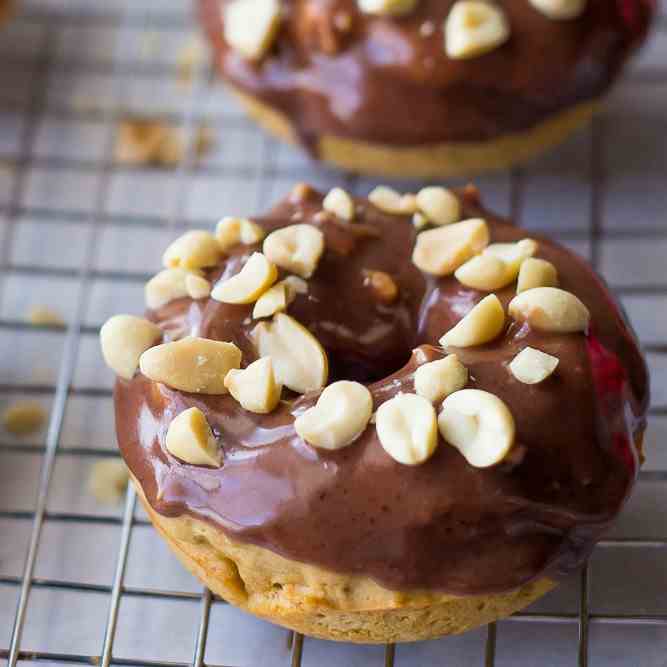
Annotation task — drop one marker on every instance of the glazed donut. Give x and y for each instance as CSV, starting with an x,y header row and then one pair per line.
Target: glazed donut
x,y
382,419
423,88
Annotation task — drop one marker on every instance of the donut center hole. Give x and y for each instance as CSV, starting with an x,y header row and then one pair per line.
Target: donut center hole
x,y
364,371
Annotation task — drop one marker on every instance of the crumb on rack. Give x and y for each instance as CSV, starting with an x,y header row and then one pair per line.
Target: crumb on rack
x,y
144,141
45,316
23,417
108,481
189,57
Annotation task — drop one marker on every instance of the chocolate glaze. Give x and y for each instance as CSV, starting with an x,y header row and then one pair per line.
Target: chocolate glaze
x,y
384,81
443,525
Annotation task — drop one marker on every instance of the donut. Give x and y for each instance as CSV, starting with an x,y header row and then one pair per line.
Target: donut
x,y
381,419
423,88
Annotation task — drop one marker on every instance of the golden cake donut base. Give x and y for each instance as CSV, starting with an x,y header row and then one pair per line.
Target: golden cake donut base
x,y
321,603
441,160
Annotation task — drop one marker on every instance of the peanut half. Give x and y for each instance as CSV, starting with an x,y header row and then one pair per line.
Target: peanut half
x,y
437,379
197,365
560,10
440,205
197,286
339,417
481,325
387,200
536,273
532,366
124,338
299,361
387,7
190,438
442,250
550,309
407,428
296,248
497,266
273,301
479,425
255,387
251,26
473,28
232,231
167,285
256,276
340,204
196,249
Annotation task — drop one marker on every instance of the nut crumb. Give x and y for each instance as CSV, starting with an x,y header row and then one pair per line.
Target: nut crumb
x,y
45,316
108,481
24,417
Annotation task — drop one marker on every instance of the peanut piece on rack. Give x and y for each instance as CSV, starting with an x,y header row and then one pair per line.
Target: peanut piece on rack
x,y
407,428
299,361
440,205
124,338
473,28
255,386
387,200
194,250
532,366
251,26
232,231
24,417
196,286
382,285
536,273
497,266
560,10
145,141
339,417
274,300
108,481
196,365
479,425
550,309
44,316
340,204
296,248
387,7
481,325
167,285
256,276
190,438
437,379
442,250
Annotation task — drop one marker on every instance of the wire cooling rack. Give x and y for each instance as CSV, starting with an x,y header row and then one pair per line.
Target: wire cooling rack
x,y
81,583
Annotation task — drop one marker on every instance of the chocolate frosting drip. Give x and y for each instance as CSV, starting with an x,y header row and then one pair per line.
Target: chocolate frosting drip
x,y
442,525
389,81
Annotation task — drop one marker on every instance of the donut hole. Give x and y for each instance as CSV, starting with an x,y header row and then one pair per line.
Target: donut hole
x,y
342,367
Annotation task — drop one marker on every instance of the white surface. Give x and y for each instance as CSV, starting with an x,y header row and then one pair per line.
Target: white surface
x,y
53,211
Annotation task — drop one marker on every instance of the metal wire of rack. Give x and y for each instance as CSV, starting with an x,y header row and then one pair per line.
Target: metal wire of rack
x,y
268,168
